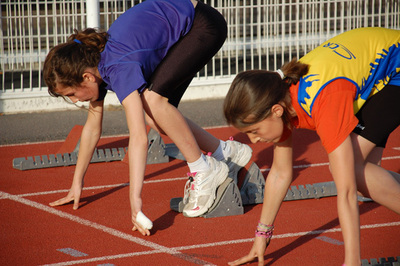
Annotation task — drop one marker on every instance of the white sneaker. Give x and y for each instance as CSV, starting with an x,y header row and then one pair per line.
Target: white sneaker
x,y
240,156
201,187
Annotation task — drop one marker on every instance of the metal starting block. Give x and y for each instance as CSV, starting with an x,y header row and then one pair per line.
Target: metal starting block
x,y
390,261
252,190
67,159
158,152
227,201
315,191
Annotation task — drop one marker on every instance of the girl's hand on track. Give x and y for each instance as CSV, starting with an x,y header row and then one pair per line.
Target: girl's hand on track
x,y
137,226
74,195
257,251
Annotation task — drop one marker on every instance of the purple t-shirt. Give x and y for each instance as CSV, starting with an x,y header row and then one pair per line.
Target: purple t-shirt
x,y
139,39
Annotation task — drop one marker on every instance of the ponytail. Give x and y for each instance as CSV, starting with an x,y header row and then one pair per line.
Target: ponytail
x,y
294,70
90,38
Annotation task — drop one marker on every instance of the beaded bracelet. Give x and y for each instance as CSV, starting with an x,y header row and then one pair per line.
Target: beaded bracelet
x,y
264,227
264,230
267,234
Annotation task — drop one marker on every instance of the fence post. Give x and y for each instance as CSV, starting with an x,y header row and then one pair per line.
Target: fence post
x,y
92,13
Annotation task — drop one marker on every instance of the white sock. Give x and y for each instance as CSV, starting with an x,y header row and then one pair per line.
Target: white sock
x,y
222,152
199,165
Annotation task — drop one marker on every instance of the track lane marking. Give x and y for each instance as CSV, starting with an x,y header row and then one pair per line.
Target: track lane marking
x,y
220,243
19,198
105,229
156,247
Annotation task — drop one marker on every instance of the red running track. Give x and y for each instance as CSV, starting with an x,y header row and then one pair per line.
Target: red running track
x,y
99,232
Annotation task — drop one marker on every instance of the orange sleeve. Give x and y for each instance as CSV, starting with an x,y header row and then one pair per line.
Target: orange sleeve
x,y
333,113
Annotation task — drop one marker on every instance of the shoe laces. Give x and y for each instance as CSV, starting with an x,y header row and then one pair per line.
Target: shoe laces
x,y
188,186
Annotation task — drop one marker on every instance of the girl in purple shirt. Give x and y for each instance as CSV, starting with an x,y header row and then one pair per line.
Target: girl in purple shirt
x,y
148,58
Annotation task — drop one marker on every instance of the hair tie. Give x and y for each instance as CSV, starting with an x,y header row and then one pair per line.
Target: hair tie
x,y
280,73
77,41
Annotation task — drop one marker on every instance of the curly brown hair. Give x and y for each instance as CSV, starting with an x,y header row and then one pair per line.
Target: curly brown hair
x,y
66,62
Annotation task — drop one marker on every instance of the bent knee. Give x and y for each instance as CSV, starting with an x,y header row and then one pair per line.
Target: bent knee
x,y
153,99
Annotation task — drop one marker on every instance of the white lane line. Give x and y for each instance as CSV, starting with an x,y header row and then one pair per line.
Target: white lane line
x,y
103,228
72,252
105,258
326,164
100,187
330,240
287,235
221,243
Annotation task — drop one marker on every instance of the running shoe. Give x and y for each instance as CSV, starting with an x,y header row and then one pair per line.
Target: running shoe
x,y
240,156
201,188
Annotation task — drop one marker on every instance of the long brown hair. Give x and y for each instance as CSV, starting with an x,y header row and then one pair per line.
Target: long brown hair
x,y
253,93
66,62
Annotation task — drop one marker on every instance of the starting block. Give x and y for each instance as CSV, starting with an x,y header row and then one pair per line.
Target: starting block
x,y
315,191
253,184
227,201
229,198
158,152
67,159
390,261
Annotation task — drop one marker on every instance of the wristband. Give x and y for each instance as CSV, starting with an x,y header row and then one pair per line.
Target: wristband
x,y
267,234
264,230
264,227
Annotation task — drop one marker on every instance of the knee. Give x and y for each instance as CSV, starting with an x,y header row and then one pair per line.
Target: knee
x,y
154,125
154,100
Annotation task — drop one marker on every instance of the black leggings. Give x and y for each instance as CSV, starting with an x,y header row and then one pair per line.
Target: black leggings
x,y
190,54
379,116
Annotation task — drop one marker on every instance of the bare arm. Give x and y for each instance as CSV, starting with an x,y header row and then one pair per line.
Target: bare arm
x,y
90,136
278,181
276,187
137,150
342,168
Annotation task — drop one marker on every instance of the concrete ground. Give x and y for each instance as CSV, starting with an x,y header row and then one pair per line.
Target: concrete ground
x,y
47,126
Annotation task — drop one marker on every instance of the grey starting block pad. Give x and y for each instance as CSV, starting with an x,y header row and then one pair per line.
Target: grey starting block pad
x,y
227,201
390,261
158,152
67,159
252,190
315,191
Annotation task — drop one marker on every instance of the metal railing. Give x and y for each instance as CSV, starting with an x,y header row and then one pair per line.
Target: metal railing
x,y
261,33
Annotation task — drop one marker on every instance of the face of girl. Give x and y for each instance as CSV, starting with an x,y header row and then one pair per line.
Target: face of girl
x,y
88,90
269,130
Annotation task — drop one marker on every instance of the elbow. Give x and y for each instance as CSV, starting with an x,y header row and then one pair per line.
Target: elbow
x,y
92,133
280,177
